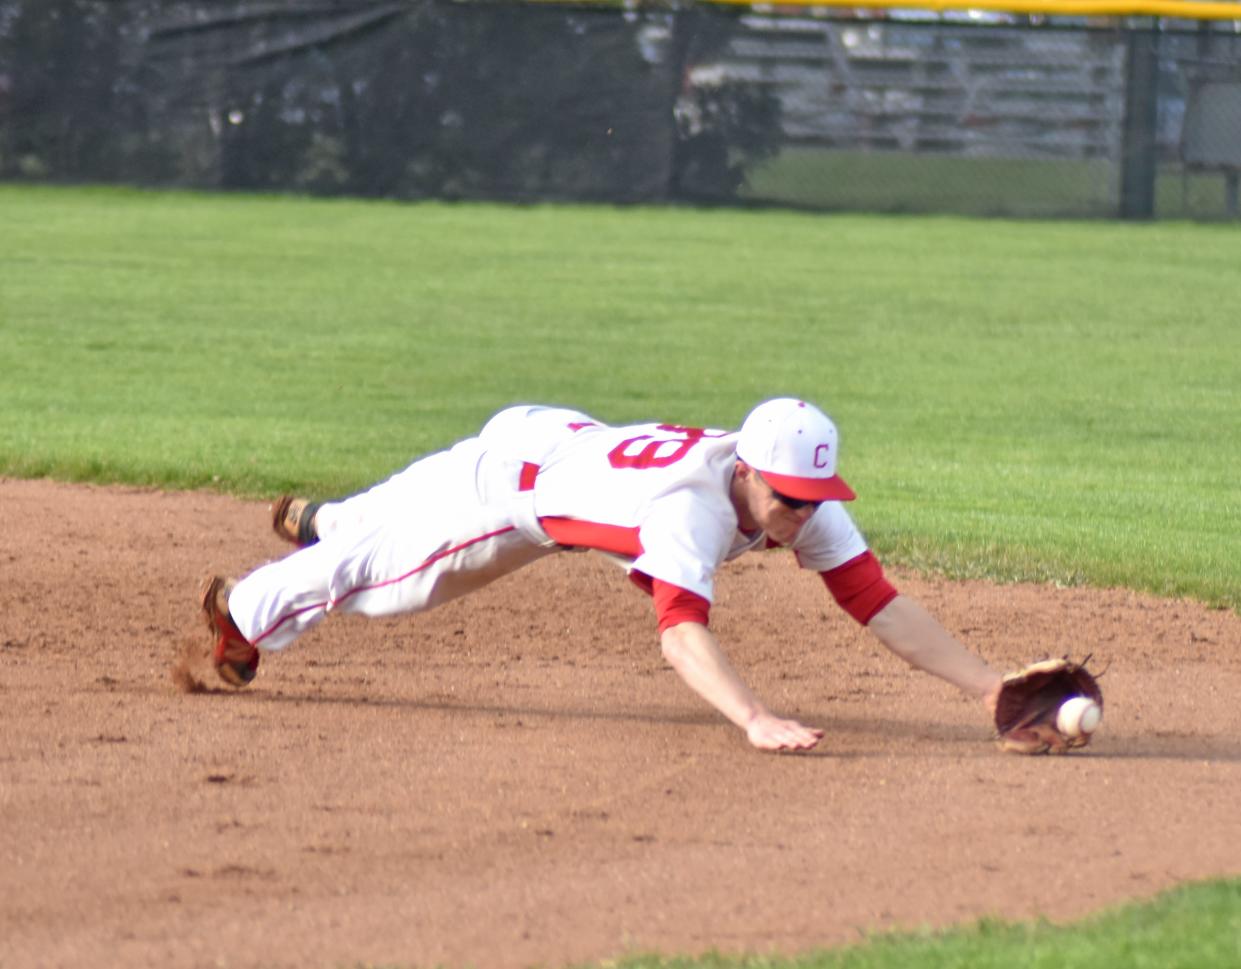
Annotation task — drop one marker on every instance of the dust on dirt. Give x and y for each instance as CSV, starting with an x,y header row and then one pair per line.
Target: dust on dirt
x,y
517,778
191,669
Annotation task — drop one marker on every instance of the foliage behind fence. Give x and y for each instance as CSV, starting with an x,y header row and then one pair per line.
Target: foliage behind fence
x,y
432,98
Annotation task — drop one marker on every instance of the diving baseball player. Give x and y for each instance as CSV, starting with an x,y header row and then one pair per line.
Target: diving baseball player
x,y
672,503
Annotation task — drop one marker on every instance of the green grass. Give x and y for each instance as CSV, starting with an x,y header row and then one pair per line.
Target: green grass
x,y
1192,927
1053,401
891,181
1048,401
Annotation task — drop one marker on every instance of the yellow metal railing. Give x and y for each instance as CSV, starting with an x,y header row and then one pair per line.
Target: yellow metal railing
x,y
1180,9
1173,9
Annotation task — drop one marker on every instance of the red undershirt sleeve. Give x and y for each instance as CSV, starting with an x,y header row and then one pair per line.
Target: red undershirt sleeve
x,y
860,587
673,605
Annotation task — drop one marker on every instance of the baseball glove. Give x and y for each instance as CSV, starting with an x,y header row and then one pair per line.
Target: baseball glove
x,y
1030,700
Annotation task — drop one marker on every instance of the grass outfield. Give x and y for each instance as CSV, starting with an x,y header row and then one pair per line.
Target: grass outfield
x,y
1192,927
1044,401
1037,401
893,181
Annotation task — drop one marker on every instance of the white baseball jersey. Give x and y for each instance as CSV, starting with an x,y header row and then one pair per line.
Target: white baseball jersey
x,y
669,486
535,480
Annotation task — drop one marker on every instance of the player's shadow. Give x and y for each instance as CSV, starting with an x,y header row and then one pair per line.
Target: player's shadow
x,y
889,736
866,736
1184,747
901,728
440,704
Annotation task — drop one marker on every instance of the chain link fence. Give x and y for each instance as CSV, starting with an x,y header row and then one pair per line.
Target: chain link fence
x,y
830,109
987,115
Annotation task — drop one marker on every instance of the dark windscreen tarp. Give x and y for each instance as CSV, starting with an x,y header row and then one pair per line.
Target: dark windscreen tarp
x,y
895,111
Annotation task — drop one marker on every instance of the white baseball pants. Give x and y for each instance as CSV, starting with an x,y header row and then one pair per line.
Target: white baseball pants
x,y
439,529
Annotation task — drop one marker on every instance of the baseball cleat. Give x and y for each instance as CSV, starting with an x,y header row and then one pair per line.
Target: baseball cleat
x,y
293,519
236,661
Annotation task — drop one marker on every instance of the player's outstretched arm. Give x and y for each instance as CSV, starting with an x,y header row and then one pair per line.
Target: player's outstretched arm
x,y
692,650
914,635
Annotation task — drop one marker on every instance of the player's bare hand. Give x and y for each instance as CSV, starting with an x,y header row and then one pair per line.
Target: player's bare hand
x,y
992,697
769,732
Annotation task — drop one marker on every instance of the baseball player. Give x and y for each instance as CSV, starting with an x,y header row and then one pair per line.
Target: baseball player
x,y
671,503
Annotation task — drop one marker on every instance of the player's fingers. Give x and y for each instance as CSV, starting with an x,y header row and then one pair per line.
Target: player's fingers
x,y
794,736
806,739
771,740
770,733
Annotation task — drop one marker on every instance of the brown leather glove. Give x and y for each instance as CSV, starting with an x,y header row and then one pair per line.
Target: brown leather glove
x,y
1030,700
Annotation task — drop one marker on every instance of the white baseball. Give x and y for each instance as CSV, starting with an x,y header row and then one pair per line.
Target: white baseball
x,y
1078,715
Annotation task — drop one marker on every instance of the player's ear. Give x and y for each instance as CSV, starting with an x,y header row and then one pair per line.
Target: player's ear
x,y
743,470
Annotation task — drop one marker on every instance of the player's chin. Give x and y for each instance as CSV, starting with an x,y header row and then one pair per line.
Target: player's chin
x,y
783,532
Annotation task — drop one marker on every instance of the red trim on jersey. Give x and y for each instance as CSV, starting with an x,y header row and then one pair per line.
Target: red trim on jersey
x,y
860,586
525,480
642,581
379,585
674,605
583,534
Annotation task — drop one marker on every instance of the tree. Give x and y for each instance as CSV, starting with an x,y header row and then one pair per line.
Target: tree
x,y
399,98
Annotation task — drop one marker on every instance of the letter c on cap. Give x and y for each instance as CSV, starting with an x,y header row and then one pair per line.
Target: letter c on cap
x,y
821,454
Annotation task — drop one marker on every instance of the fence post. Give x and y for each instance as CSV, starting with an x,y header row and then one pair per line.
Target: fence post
x,y
684,28
1137,153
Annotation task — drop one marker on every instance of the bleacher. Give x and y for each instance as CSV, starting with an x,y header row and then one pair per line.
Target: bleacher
x,y
949,88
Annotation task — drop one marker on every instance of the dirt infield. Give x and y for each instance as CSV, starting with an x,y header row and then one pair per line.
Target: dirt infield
x,y
518,779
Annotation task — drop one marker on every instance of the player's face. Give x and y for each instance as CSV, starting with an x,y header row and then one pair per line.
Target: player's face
x,y
779,516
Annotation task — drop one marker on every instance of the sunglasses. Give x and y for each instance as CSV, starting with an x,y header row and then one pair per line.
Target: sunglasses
x,y
793,504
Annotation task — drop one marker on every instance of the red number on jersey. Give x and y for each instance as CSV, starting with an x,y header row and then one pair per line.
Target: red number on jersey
x,y
658,452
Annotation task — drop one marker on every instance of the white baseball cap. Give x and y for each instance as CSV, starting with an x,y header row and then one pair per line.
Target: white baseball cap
x,y
794,446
